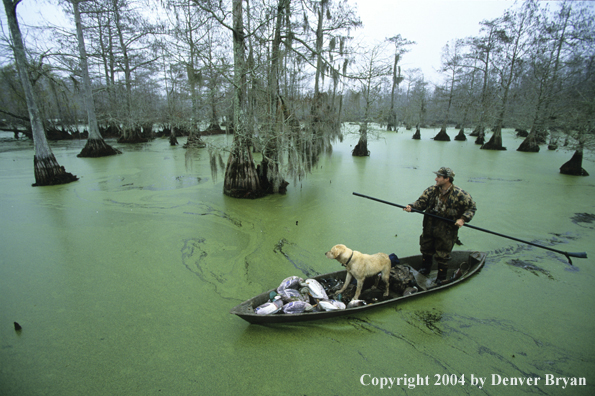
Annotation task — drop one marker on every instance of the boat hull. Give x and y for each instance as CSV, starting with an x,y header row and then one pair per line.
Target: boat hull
x,y
474,260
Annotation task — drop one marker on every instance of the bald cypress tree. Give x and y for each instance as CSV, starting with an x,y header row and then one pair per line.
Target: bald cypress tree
x,y
399,44
96,146
514,39
241,178
47,169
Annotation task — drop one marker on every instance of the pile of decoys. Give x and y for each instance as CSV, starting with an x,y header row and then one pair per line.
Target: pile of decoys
x,y
296,295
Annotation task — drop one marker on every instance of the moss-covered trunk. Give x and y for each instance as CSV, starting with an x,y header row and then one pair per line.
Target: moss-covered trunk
x,y
241,177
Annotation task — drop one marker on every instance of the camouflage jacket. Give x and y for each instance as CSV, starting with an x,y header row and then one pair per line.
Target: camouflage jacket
x,y
458,203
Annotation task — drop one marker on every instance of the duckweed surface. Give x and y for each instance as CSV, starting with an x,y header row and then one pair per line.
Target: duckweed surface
x,y
122,282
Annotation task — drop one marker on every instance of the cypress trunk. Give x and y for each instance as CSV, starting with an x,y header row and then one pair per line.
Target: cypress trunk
x,y
529,145
48,172
495,142
241,177
477,131
417,134
361,149
46,168
97,148
480,137
461,137
574,167
442,136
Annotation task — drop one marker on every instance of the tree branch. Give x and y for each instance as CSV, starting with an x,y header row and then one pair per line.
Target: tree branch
x,y
15,115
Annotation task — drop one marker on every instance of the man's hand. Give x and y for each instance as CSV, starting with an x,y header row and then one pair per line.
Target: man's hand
x,y
407,208
459,223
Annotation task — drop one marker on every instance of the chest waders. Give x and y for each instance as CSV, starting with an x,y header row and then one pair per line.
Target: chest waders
x,y
437,241
567,254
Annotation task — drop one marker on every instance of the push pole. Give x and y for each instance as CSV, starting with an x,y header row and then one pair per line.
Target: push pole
x,y
567,254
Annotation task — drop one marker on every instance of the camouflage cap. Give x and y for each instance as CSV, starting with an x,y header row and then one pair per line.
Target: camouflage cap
x,y
445,172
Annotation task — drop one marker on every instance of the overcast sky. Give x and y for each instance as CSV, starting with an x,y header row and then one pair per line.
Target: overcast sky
x,y
430,23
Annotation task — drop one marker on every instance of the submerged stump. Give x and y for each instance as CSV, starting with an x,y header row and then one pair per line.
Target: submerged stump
x,y
96,148
574,167
49,173
417,134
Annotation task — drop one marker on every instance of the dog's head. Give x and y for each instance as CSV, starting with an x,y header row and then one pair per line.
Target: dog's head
x,y
336,252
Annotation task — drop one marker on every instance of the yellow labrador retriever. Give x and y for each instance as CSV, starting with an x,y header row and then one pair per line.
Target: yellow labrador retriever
x,y
360,266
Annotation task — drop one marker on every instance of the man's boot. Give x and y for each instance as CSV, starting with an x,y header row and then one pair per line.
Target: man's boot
x,y
442,271
426,264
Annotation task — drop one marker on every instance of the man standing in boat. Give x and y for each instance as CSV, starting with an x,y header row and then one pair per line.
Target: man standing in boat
x,y
438,237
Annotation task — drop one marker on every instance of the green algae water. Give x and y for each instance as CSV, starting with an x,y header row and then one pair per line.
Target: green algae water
x,y
123,281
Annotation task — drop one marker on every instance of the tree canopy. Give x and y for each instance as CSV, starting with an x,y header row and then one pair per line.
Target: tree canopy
x,y
282,75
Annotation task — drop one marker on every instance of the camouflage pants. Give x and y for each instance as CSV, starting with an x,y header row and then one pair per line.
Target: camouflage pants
x,y
438,239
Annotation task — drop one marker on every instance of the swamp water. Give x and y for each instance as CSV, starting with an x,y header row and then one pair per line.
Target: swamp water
x,y
123,281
